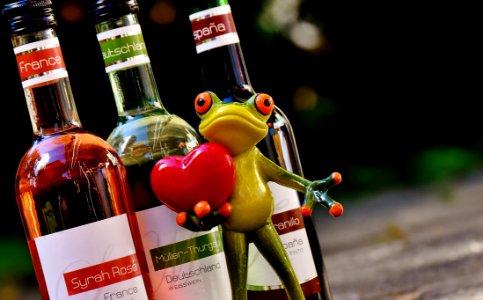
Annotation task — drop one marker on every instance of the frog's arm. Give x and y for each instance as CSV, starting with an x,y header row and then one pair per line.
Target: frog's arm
x,y
315,191
275,173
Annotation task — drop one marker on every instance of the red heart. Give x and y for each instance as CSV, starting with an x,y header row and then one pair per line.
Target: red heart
x,y
206,173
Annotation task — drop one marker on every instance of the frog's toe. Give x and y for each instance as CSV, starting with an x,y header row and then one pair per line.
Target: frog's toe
x,y
306,211
202,208
181,218
225,210
336,210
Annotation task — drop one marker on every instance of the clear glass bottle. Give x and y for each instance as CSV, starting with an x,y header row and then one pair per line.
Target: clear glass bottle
x,y
145,133
70,185
224,72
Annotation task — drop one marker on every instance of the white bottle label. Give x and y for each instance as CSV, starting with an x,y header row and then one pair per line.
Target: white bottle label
x,y
289,224
105,267
183,264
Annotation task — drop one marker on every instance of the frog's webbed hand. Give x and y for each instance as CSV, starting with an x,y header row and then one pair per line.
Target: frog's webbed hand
x,y
317,192
203,218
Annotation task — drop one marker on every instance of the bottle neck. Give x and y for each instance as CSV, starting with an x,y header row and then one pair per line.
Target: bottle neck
x,y
219,51
128,67
45,82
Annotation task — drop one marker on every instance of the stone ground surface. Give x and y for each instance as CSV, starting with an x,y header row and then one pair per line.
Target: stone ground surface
x,y
422,243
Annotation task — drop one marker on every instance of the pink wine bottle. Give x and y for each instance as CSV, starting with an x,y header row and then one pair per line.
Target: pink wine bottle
x,y
71,186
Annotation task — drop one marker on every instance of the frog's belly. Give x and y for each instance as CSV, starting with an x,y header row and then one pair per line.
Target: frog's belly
x,y
249,213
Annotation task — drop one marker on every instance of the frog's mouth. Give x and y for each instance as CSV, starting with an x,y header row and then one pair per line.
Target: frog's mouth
x,y
237,129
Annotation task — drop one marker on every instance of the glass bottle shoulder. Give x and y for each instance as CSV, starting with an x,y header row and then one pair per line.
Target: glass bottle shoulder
x,y
67,180
153,136
66,157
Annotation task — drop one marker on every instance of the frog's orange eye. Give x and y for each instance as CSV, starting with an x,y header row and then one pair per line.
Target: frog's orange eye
x,y
203,102
264,104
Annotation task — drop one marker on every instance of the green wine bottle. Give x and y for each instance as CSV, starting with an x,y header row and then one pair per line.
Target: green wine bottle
x,y
145,133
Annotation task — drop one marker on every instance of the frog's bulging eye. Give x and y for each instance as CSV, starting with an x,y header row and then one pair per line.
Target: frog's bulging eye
x,y
203,102
264,104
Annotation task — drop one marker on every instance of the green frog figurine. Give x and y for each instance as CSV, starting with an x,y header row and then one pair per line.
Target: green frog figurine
x,y
246,215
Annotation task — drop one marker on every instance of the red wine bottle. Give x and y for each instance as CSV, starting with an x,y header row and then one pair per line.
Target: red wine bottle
x,y
71,186
224,72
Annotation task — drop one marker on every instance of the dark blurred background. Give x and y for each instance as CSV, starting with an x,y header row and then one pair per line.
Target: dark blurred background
x,y
387,94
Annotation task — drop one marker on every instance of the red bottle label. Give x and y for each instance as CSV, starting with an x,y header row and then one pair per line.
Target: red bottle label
x,y
213,28
102,275
288,221
40,61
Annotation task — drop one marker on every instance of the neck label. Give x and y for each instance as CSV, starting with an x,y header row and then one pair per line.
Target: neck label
x,y
123,48
40,62
213,28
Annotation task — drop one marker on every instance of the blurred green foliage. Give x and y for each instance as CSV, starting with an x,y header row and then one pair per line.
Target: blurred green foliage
x,y
444,163
435,166
15,259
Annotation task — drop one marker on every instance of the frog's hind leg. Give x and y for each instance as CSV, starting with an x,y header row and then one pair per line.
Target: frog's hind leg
x,y
268,242
236,253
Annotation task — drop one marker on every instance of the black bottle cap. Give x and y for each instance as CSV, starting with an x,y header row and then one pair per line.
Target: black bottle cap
x,y
26,16
106,9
